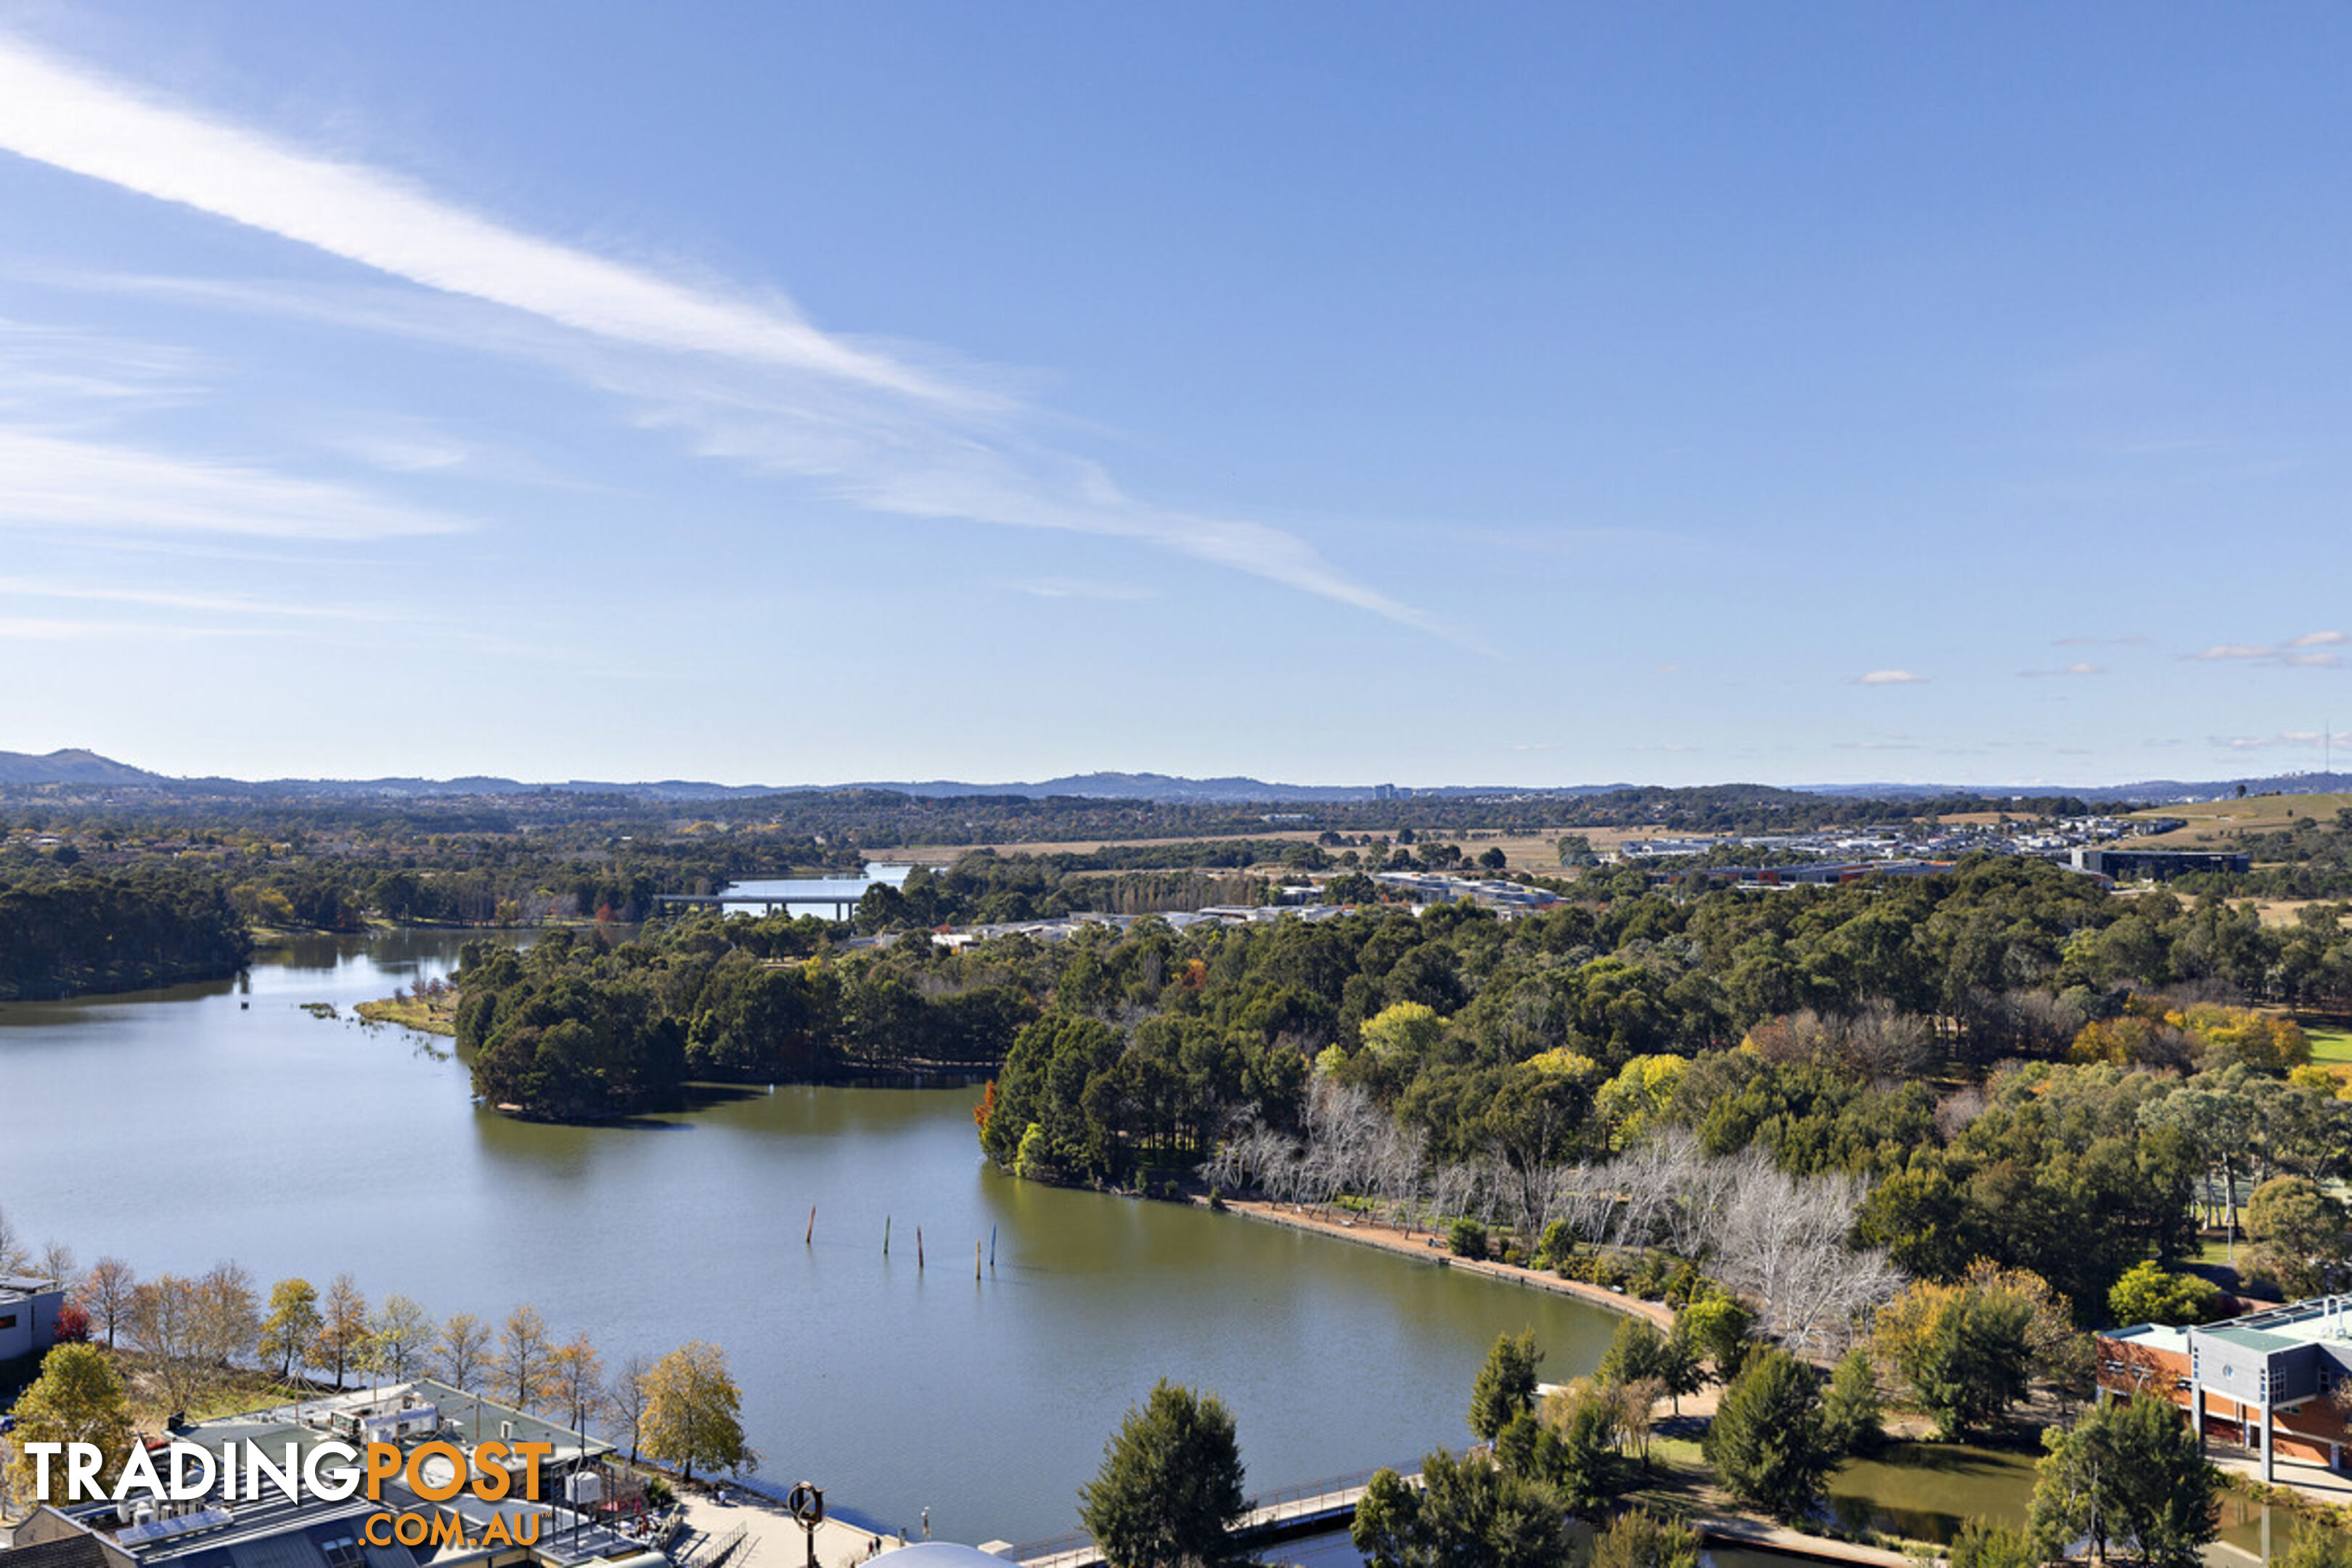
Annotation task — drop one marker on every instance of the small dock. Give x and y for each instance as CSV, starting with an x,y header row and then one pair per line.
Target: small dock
x,y
1273,1515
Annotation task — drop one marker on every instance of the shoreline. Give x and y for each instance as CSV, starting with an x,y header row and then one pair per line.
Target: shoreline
x,y
1391,1239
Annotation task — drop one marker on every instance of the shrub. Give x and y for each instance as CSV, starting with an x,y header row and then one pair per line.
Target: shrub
x,y
1466,1239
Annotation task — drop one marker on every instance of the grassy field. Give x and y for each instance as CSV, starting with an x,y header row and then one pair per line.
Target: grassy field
x,y
2331,1045
1523,852
433,1017
2211,822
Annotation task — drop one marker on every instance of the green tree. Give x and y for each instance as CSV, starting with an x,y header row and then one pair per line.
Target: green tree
x,y
1970,1351
2127,1474
1984,1544
1583,1457
1170,1486
1387,1526
1850,1410
1639,1539
292,1322
1682,1364
1404,1033
1506,1384
694,1412
2147,1294
1766,1443
1718,1325
77,1398
2316,1546
1635,1350
1468,1514
403,1332
2299,1234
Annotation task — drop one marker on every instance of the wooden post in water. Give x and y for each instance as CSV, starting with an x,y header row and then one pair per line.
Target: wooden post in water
x,y
975,1257
992,1246
886,1236
919,1247
810,1239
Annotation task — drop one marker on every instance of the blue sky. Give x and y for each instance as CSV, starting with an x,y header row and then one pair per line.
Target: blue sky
x,y
1332,393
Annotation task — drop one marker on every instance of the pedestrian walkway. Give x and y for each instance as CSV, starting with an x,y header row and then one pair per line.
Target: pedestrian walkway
x,y
772,1538
2313,1480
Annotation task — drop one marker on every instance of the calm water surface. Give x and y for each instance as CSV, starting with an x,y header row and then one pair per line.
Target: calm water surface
x,y
175,1129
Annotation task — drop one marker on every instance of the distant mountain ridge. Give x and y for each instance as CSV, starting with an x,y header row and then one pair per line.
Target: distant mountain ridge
x,y
77,767
70,767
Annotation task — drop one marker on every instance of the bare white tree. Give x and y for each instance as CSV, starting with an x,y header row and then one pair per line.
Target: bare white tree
x,y
15,1257
1781,1241
58,1265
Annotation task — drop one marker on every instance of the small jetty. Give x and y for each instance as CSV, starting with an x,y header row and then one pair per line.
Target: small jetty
x,y
1272,1516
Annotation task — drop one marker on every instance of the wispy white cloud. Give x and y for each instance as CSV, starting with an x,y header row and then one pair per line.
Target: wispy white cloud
x,y
1082,588
1889,678
55,482
744,378
1667,670
2306,652
2310,738
166,599
58,374
407,451
67,117
2081,667
17,628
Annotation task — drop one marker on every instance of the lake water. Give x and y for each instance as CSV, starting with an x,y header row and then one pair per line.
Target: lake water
x,y
175,1129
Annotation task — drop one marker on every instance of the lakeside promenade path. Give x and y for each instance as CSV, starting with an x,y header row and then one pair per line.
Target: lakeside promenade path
x,y
772,1538
1371,1232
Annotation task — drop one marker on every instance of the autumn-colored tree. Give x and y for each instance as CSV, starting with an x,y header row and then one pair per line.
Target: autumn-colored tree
x,y
464,1352
229,1315
162,1322
77,1398
522,1366
575,1380
105,1294
293,1319
694,1412
1970,1350
340,1339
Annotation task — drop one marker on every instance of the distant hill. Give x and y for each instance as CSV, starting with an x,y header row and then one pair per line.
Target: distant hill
x,y
76,768
2152,792
1229,791
87,769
